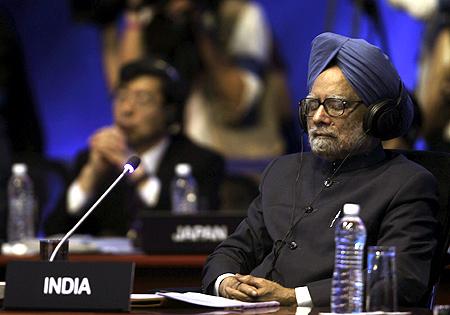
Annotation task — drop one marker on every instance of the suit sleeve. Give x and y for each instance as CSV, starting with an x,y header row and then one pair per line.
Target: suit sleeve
x,y
243,250
409,225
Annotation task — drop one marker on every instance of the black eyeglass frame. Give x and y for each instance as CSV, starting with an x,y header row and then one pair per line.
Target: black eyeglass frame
x,y
324,103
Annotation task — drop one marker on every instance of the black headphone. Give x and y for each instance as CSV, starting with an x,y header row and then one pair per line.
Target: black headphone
x,y
302,119
384,119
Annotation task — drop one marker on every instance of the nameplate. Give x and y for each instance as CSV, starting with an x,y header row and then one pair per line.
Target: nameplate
x,y
165,233
65,285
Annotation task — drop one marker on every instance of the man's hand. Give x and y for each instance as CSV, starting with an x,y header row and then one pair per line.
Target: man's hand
x,y
108,148
110,143
260,289
231,288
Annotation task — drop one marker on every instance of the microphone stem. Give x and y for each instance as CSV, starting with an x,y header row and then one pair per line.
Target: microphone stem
x,y
69,234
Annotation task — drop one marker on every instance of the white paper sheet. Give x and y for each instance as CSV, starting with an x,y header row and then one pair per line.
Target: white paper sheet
x,y
214,301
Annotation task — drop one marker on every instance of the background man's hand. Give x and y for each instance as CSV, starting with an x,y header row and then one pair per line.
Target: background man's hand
x,y
111,145
108,149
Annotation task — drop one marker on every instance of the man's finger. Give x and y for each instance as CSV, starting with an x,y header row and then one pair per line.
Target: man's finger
x,y
237,295
247,289
250,280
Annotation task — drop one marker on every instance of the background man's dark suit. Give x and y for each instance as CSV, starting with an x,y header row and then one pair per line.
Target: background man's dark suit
x,y
114,215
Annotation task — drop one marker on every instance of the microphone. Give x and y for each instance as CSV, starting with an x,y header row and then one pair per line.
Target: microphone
x,y
130,166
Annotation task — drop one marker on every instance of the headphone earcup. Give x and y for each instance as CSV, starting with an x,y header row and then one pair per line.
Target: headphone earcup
x,y
383,120
302,119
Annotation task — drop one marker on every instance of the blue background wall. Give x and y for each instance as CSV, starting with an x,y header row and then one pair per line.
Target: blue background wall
x,y
64,63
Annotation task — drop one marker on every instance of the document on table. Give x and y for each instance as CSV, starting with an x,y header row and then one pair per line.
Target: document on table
x,y
214,301
152,300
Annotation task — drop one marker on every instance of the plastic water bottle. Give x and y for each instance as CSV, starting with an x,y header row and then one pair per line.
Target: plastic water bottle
x,y
184,190
347,290
20,205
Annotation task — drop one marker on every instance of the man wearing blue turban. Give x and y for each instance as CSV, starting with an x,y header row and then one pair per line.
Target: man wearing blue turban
x,y
284,249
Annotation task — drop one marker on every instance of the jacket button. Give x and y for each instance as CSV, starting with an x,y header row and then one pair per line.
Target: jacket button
x,y
308,209
328,183
293,245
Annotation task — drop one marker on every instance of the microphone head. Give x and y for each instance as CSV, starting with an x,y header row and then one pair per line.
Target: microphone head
x,y
132,164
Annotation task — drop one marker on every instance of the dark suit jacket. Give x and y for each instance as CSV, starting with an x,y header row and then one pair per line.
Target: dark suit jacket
x,y
115,213
397,199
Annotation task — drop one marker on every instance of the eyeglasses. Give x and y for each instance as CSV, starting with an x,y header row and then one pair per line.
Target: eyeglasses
x,y
139,98
334,107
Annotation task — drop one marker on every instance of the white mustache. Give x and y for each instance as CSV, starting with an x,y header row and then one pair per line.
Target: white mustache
x,y
321,132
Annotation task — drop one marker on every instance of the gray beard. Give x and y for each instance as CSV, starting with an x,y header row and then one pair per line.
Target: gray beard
x,y
326,147
334,148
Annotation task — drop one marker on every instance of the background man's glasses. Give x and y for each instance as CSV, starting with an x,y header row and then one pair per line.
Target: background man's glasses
x,y
140,98
334,107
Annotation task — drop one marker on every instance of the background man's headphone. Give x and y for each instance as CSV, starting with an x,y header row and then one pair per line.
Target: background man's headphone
x,y
384,119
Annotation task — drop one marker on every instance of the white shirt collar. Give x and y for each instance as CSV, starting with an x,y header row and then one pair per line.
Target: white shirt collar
x,y
152,157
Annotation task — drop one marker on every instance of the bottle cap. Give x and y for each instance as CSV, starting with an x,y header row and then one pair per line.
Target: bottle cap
x,y
183,169
351,209
19,168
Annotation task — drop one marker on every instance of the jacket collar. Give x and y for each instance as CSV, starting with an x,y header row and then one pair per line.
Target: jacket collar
x,y
351,163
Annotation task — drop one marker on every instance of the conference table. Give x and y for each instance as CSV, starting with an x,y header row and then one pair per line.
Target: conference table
x,y
208,311
155,272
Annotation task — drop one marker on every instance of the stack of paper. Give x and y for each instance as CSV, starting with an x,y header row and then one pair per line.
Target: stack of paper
x,y
197,299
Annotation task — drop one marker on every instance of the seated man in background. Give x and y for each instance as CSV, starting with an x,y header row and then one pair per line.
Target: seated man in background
x,y
144,108
284,249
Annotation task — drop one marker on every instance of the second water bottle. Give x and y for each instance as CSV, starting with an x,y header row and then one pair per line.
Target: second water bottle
x,y
184,190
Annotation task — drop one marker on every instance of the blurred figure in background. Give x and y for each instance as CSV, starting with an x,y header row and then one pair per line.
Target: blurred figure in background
x,y
238,102
24,131
238,97
21,138
433,90
145,104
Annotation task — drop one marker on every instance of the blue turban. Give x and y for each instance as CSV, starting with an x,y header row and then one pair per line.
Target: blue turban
x,y
367,69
